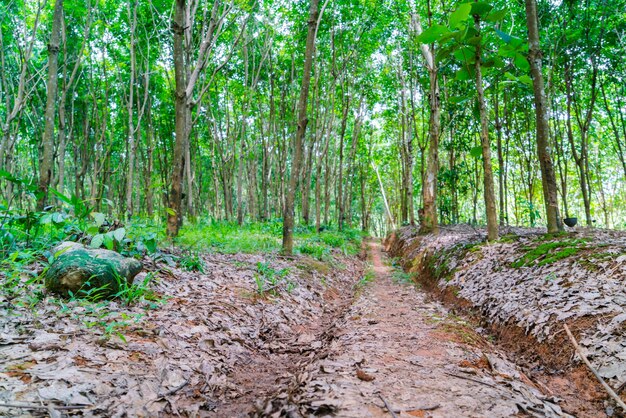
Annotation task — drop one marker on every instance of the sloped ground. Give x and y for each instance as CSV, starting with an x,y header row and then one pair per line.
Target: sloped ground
x,y
214,348
526,286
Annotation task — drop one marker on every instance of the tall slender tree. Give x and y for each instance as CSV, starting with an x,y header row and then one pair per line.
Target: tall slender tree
x,y
548,178
289,213
46,163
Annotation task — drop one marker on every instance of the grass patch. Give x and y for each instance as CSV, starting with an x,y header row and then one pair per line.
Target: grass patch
x,y
266,237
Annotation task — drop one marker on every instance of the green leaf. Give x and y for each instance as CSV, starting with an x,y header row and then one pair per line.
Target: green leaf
x,y
98,218
96,241
466,54
119,234
526,80
521,62
463,74
58,218
459,15
496,15
432,34
481,8
109,242
476,152
505,36
61,196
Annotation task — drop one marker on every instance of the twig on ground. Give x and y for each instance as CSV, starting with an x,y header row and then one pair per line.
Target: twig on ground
x,y
583,357
173,391
42,407
389,408
469,378
419,408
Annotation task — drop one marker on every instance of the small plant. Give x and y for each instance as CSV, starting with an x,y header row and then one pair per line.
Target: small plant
x,y
367,278
191,262
133,293
268,279
401,277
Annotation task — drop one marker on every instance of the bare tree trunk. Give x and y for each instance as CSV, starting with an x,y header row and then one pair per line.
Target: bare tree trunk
x,y
428,220
47,158
489,193
288,218
174,212
132,147
548,178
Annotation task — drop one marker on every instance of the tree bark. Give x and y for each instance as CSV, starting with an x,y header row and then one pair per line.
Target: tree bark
x,y
489,193
47,158
288,216
174,213
428,220
548,178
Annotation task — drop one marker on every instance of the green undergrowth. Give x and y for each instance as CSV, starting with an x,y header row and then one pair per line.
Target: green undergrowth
x,y
266,237
550,252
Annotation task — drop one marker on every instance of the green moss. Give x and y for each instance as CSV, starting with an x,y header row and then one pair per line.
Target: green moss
x,y
549,252
508,238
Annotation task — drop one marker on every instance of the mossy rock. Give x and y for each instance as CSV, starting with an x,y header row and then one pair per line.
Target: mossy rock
x,y
82,271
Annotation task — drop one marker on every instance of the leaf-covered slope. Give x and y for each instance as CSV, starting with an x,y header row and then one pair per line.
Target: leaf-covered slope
x,y
534,282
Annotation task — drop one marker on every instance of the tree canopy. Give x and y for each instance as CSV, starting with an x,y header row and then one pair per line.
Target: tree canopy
x,y
414,112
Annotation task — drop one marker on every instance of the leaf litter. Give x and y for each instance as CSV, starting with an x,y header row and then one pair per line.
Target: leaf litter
x,y
218,348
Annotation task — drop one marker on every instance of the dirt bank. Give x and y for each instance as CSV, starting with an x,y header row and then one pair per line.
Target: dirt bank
x,y
523,288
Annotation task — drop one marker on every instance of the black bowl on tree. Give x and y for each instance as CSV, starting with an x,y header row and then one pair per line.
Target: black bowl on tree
x,y
571,222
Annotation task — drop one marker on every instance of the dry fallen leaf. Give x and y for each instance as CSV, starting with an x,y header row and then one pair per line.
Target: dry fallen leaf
x,y
364,376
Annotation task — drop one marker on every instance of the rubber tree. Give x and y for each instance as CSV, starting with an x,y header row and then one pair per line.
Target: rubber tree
x,y
428,221
548,177
46,161
289,213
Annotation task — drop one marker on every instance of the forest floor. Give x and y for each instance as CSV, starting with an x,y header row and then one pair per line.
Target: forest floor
x,y
333,338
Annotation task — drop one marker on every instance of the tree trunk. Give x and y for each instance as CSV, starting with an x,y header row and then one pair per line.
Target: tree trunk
x,y
428,218
489,193
132,147
47,157
548,178
174,213
288,217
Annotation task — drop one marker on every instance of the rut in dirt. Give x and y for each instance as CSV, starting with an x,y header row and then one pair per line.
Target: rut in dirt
x,y
397,353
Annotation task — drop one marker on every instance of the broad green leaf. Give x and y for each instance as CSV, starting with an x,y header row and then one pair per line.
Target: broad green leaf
x,y
98,218
481,8
463,74
505,36
109,242
476,152
119,234
521,62
466,54
526,80
432,34
96,241
58,218
496,15
459,15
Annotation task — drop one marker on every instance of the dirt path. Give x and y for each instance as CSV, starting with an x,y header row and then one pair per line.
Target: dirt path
x,y
395,346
